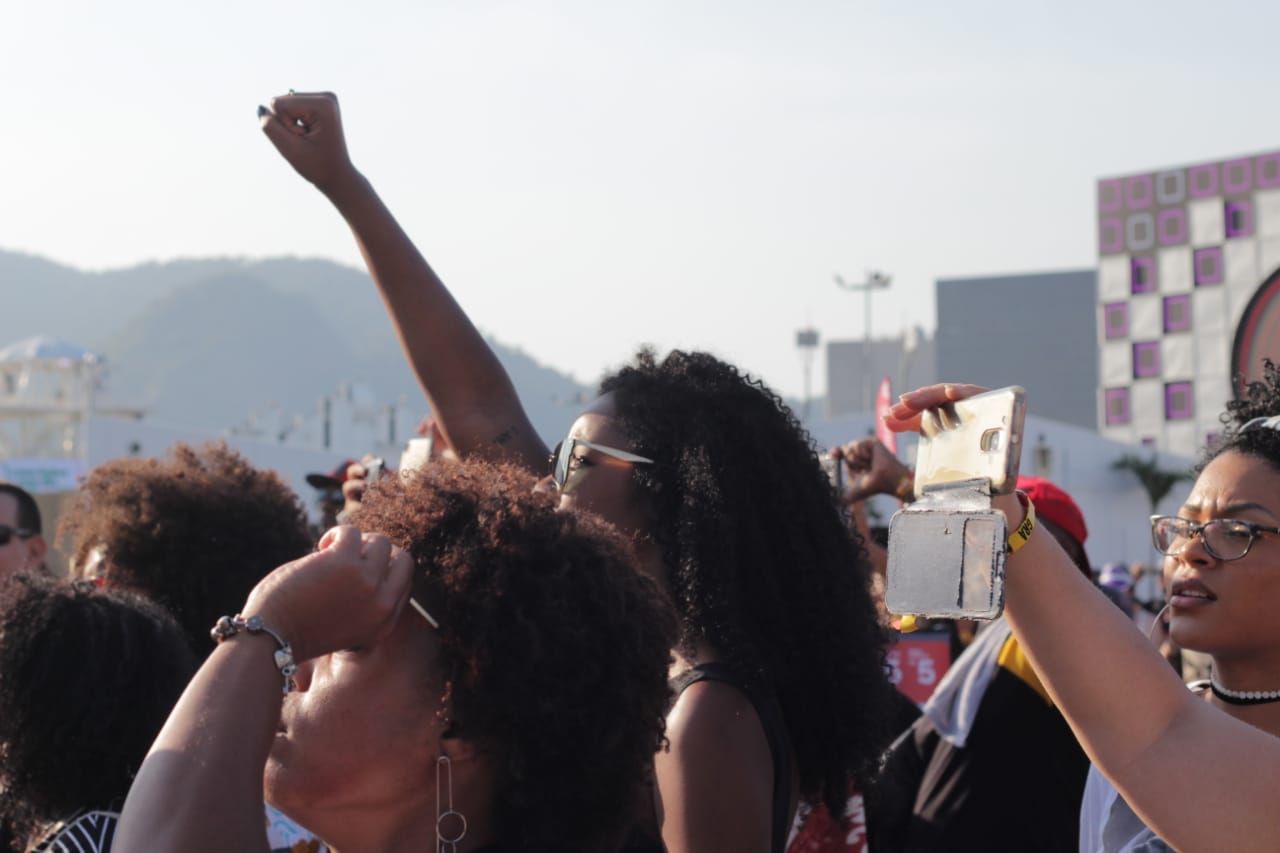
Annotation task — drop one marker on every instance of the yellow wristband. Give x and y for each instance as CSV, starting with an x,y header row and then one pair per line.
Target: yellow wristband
x,y
1022,532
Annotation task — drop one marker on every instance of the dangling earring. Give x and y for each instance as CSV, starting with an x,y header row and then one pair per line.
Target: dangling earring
x,y
447,844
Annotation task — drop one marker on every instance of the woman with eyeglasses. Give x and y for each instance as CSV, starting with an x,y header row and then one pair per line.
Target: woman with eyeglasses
x,y
473,671
1179,769
779,674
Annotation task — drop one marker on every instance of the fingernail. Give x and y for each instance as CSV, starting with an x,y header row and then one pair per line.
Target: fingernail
x,y
261,110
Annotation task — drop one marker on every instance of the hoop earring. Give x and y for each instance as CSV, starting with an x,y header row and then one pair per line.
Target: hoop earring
x,y
447,844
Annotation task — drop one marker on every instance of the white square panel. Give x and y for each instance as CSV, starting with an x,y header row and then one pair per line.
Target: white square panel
x,y
1173,269
1122,433
1209,312
1211,400
1268,257
1182,437
1177,355
1266,206
1240,268
1116,363
1208,226
1240,261
1113,278
1147,402
1146,322
1212,359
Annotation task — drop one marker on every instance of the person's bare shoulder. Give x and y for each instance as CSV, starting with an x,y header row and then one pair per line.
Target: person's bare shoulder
x,y
715,781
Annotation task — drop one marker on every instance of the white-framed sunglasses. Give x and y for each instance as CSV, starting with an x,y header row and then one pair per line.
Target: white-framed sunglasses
x,y
558,461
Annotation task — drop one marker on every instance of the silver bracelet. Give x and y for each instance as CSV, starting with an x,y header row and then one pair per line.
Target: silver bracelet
x,y
228,626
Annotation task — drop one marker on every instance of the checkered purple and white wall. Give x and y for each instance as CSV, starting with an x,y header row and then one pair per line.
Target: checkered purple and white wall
x,y
1182,252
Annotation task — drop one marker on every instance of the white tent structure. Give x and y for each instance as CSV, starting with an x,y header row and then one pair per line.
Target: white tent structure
x,y
49,390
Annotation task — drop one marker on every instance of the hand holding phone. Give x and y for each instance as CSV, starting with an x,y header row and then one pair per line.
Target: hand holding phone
x,y
947,550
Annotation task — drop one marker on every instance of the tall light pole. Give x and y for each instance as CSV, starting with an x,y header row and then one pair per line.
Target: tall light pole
x,y
807,342
875,281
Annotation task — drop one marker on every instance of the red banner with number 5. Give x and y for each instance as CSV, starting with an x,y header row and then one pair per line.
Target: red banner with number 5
x,y
917,663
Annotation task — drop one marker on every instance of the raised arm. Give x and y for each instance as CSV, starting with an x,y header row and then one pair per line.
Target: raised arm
x,y
1163,748
468,390
200,787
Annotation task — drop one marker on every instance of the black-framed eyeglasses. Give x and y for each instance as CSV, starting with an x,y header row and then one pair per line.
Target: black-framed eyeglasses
x,y
1224,538
7,533
560,462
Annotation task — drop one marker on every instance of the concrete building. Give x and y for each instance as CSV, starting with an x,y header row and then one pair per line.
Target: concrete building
x,y
1037,330
854,372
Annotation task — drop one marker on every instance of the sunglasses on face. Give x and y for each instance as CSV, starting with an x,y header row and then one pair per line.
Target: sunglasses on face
x,y
1224,539
7,533
561,462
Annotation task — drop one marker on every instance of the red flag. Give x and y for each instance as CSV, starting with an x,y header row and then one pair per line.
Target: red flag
x,y
884,401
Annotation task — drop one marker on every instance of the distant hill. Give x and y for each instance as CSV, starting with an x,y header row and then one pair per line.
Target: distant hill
x,y
207,342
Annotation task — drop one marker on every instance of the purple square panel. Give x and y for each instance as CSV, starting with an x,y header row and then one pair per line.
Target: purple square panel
x,y
1142,274
1110,235
1177,313
1178,404
1266,171
1171,226
1146,359
1115,320
1116,406
1238,216
1110,195
1208,266
1203,180
1138,192
1237,176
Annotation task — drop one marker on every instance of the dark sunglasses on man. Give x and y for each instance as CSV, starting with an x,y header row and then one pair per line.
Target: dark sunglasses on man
x,y
7,533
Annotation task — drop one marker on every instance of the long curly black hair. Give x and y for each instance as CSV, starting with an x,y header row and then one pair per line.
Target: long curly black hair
x,y
195,531
87,678
554,648
761,563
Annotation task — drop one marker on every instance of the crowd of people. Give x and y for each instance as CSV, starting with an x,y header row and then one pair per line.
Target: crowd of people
x,y
666,633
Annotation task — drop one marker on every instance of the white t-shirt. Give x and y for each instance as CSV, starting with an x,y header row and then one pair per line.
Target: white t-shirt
x,y
1108,825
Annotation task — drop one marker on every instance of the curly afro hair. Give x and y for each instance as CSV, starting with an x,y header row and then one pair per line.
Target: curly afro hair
x,y
194,531
554,648
761,563
1259,399
87,678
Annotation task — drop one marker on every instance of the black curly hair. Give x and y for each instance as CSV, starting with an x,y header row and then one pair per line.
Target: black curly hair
x,y
760,561
554,647
1258,399
87,678
194,531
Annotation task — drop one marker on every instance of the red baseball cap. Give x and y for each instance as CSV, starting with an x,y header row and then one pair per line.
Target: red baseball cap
x,y
1056,505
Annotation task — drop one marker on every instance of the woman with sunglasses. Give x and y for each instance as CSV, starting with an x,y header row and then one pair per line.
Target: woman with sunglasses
x,y
1167,750
781,688
474,671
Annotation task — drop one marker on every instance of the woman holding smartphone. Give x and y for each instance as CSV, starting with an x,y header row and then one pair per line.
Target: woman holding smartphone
x,y
1164,748
781,690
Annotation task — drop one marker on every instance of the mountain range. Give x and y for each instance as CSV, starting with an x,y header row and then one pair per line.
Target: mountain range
x,y
205,343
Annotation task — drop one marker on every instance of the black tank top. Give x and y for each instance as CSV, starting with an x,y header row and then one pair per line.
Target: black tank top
x,y
767,709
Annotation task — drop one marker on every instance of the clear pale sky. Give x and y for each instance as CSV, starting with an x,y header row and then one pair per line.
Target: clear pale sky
x,y
588,176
